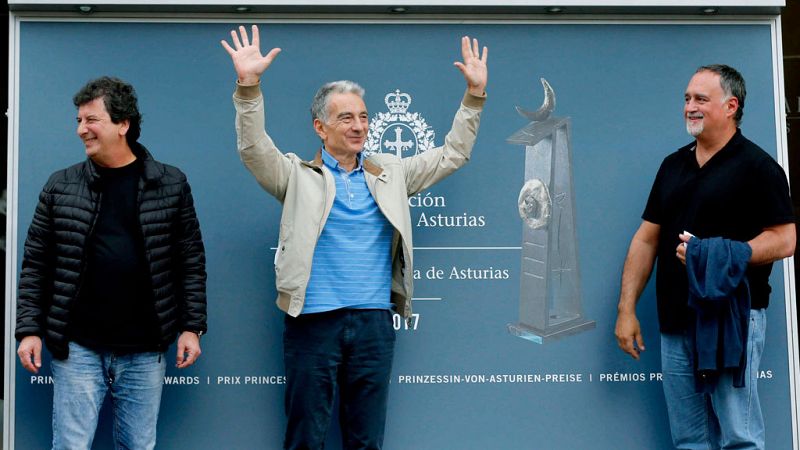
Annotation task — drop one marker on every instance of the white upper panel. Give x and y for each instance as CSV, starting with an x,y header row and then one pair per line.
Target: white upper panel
x,y
488,3
420,8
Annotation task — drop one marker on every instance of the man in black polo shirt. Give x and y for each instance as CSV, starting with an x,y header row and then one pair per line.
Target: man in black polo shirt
x,y
113,271
720,185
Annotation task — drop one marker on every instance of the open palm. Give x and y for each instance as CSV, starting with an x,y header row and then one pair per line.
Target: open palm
x,y
246,56
474,66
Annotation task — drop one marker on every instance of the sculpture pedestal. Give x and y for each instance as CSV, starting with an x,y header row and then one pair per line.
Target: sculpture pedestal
x,y
538,336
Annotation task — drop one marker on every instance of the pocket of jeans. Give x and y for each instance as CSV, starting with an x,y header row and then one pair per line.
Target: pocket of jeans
x,y
758,320
389,325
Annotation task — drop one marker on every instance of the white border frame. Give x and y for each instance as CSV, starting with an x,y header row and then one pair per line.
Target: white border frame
x,y
15,18
12,153
451,3
790,296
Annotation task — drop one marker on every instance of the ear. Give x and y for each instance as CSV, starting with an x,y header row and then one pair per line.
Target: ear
x,y
319,127
731,106
124,126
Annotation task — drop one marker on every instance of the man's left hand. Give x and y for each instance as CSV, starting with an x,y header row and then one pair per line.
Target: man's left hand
x,y
188,349
680,250
474,66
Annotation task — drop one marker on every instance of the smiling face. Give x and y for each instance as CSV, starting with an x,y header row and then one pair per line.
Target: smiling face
x,y
347,125
707,110
103,139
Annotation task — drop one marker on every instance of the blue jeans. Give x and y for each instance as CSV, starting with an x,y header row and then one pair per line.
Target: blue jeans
x,y
728,418
80,384
349,350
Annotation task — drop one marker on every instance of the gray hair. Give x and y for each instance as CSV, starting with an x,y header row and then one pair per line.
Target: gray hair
x,y
319,106
732,84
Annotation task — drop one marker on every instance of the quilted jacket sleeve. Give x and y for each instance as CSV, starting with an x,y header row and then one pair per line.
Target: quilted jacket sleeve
x,y
36,278
192,262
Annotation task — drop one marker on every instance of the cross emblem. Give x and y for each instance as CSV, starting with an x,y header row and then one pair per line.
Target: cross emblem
x,y
398,145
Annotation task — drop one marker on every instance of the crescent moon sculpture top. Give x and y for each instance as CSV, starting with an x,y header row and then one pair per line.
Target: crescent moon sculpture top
x,y
544,111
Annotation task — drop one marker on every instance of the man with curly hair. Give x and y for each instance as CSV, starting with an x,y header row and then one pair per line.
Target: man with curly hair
x,y
113,271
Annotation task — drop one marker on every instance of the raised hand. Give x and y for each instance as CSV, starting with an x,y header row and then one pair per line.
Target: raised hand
x,y
246,56
474,66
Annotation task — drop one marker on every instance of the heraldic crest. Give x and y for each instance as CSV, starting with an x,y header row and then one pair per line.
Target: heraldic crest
x,y
399,131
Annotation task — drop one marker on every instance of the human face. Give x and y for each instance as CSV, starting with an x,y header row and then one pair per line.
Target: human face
x,y
101,137
346,129
706,108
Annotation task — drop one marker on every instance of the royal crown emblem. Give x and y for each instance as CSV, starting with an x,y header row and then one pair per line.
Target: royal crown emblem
x,y
398,131
397,102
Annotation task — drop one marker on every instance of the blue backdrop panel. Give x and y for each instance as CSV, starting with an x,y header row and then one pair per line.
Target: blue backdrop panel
x,y
460,380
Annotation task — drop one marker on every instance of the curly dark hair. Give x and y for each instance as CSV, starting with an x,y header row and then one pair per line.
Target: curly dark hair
x,y
120,100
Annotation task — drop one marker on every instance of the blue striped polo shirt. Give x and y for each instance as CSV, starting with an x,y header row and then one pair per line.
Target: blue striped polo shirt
x,y
352,265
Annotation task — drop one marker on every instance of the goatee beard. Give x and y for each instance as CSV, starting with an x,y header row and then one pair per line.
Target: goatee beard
x,y
694,130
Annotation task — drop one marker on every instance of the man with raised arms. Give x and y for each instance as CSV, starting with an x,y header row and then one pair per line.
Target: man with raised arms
x,y
344,258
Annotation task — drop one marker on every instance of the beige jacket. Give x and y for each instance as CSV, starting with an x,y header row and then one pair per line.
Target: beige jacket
x,y
306,189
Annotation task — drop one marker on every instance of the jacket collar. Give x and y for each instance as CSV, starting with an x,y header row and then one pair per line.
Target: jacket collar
x,y
373,169
317,161
151,171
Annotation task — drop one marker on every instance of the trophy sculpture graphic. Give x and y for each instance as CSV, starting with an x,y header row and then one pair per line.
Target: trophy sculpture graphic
x,y
550,283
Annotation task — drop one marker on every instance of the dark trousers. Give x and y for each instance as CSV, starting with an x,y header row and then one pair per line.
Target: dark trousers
x,y
349,350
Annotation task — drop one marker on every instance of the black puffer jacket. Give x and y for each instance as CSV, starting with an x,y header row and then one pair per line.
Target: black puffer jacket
x,y
53,262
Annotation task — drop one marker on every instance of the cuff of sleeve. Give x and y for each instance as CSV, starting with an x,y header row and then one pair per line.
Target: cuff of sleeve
x,y
473,101
20,335
247,92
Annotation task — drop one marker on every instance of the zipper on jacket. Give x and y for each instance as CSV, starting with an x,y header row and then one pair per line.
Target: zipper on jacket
x,y
319,231
401,252
325,195
141,231
139,192
400,240
321,225
82,276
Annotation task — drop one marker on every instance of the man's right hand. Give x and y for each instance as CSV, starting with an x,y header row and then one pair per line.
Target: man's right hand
x,y
30,353
629,334
246,56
